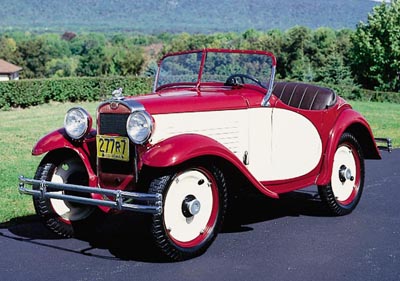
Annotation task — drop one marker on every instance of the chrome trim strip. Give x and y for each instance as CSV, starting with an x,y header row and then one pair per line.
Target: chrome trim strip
x,y
135,163
156,78
152,203
265,101
132,104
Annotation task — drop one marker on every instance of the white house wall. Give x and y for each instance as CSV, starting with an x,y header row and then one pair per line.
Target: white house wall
x,y
4,78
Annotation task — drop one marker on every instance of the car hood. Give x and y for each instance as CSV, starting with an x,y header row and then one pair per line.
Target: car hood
x,y
184,100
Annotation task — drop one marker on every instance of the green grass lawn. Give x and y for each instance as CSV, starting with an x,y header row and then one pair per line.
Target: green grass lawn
x,y
384,119
21,129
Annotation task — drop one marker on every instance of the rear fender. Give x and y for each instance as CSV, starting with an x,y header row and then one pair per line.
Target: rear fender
x,y
354,123
179,149
59,140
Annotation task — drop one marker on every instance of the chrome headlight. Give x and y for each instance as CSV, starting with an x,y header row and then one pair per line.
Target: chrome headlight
x,y
77,122
139,127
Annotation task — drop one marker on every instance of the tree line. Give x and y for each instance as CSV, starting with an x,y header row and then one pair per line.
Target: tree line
x,y
368,56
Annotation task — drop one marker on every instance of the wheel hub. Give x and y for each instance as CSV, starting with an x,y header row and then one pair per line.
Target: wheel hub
x,y
190,206
345,174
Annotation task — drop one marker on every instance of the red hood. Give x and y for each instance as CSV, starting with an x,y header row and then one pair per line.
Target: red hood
x,y
184,100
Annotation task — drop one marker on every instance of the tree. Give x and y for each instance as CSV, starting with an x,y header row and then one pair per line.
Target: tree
x,y
302,70
376,48
62,67
125,60
93,59
8,47
33,55
56,47
324,44
295,51
335,72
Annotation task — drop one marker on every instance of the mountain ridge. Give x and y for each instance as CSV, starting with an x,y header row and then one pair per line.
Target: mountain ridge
x,y
192,16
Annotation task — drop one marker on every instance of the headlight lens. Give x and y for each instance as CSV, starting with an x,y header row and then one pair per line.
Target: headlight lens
x,y
77,122
139,127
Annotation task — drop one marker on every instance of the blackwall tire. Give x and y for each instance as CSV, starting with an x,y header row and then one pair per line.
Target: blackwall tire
x,y
194,206
64,218
344,191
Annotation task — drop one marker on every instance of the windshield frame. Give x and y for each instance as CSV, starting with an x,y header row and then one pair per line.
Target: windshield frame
x,y
197,82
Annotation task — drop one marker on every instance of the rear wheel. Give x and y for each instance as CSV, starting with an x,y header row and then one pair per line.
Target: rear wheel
x,y
63,217
194,204
344,191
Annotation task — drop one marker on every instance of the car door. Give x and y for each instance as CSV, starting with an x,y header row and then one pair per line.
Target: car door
x,y
283,144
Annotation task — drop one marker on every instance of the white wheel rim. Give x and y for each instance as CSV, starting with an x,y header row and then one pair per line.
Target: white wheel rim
x,y
64,209
344,159
180,227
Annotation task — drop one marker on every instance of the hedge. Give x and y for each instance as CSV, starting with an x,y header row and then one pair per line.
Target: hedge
x,y
25,93
356,93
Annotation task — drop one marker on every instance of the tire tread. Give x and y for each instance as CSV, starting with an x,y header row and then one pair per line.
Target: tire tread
x,y
167,247
326,192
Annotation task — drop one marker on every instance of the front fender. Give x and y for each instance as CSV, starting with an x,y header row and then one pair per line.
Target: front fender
x,y
353,122
179,149
59,139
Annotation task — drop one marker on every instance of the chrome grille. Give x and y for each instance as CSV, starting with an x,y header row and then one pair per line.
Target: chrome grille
x,y
113,124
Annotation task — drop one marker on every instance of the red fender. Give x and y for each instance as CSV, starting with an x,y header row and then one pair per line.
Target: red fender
x,y
353,122
178,149
59,140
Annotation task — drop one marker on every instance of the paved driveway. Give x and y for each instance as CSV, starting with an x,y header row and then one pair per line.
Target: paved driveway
x,y
289,239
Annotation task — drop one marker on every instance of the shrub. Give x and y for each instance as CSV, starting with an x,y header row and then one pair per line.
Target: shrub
x,y
25,93
359,94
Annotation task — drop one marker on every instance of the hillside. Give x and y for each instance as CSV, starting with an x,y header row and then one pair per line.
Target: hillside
x,y
193,16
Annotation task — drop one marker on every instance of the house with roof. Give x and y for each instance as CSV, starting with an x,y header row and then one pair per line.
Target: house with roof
x,y
9,71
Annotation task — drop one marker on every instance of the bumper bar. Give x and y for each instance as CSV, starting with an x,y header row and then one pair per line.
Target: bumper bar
x,y
152,203
384,144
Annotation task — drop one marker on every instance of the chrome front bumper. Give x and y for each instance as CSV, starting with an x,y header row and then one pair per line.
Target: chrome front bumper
x,y
149,203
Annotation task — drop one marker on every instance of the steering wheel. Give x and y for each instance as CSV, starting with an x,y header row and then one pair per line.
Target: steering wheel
x,y
233,80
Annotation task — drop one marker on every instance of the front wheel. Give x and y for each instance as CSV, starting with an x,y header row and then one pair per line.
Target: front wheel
x,y
194,204
344,191
62,217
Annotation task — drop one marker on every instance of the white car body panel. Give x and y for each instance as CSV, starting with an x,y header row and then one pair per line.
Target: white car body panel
x,y
280,144
296,145
226,127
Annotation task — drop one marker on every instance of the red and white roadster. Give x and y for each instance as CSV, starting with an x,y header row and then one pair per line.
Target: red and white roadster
x,y
215,116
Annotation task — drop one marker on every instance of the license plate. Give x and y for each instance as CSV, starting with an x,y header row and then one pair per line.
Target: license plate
x,y
110,147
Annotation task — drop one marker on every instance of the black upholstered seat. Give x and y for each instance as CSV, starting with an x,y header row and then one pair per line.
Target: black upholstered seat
x,y
304,96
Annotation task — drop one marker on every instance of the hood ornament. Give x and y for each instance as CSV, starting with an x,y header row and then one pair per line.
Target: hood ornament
x,y
117,94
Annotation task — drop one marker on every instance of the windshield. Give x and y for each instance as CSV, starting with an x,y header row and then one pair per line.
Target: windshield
x,y
216,67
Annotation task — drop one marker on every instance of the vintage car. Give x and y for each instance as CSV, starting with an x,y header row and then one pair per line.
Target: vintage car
x,y
216,119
